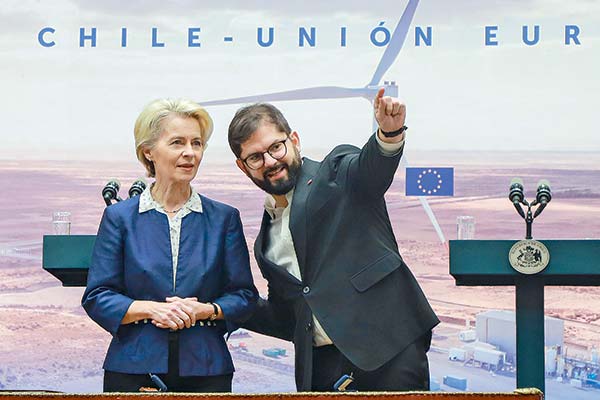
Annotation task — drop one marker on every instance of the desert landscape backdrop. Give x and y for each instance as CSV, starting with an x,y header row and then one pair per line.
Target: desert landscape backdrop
x,y
47,341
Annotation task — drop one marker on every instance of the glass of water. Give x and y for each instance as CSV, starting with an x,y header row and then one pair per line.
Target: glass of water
x,y
465,227
61,222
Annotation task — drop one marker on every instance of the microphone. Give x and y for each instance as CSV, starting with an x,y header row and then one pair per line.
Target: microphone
x,y
159,382
341,385
137,188
110,191
543,196
516,191
516,195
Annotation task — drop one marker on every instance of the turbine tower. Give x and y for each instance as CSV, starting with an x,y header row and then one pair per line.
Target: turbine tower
x,y
367,92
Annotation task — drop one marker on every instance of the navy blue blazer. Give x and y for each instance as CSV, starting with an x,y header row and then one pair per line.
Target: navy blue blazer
x,y
132,261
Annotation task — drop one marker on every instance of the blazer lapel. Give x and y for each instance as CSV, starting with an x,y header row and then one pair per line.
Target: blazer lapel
x,y
298,224
263,262
259,243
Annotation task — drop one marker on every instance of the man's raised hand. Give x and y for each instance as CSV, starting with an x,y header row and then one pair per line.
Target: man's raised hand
x,y
390,113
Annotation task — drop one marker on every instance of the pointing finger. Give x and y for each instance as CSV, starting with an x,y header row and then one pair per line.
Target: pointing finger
x,y
378,97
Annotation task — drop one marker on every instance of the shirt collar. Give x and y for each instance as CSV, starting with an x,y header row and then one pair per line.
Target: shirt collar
x,y
270,203
148,203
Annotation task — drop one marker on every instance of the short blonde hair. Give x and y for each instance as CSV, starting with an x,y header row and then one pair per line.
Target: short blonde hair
x,y
148,125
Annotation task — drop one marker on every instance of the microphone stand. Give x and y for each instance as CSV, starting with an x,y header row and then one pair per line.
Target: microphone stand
x,y
109,200
529,221
529,302
529,216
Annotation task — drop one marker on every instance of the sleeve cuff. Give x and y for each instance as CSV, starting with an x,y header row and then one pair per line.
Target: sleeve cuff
x,y
388,149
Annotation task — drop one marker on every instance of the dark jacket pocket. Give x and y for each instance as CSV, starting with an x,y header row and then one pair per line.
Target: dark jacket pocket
x,y
375,272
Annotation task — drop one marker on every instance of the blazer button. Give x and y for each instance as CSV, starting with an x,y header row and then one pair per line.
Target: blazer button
x,y
306,290
308,327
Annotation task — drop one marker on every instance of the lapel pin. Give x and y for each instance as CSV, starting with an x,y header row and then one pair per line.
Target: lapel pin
x,y
309,181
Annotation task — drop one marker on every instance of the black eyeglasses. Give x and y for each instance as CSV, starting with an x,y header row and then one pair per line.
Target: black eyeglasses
x,y
277,150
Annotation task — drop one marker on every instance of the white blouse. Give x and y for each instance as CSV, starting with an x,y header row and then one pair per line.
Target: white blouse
x,y
194,204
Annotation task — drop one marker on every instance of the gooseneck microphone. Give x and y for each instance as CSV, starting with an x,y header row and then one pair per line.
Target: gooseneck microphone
x,y
516,195
137,187
110,191
543,196
516,190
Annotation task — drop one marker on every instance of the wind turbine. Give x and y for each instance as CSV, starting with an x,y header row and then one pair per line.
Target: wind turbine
x,y
368,91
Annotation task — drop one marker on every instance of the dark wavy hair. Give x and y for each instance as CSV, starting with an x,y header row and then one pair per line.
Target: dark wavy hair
x,y
248,119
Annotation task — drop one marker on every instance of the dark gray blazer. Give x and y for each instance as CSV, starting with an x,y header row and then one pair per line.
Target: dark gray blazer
x,y
353,277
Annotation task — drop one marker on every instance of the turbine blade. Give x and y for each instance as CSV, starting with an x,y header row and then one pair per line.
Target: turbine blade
x,y
427,209
397,40
321,92
432,218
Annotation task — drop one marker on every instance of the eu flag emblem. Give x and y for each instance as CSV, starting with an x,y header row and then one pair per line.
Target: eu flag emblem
x,y
429,181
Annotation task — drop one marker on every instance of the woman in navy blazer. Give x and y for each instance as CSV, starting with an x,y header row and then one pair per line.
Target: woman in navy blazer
x,y
170,272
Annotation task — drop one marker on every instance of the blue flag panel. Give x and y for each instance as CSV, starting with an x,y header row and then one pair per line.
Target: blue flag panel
x,y
429,181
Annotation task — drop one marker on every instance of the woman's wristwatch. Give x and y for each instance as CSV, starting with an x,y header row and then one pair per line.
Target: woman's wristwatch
x,y
215,313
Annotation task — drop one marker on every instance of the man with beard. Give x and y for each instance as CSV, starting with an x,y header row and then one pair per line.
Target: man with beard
x,y
337,286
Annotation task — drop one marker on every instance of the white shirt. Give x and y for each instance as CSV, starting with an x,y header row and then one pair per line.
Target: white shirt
x,y
194,204
281,250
